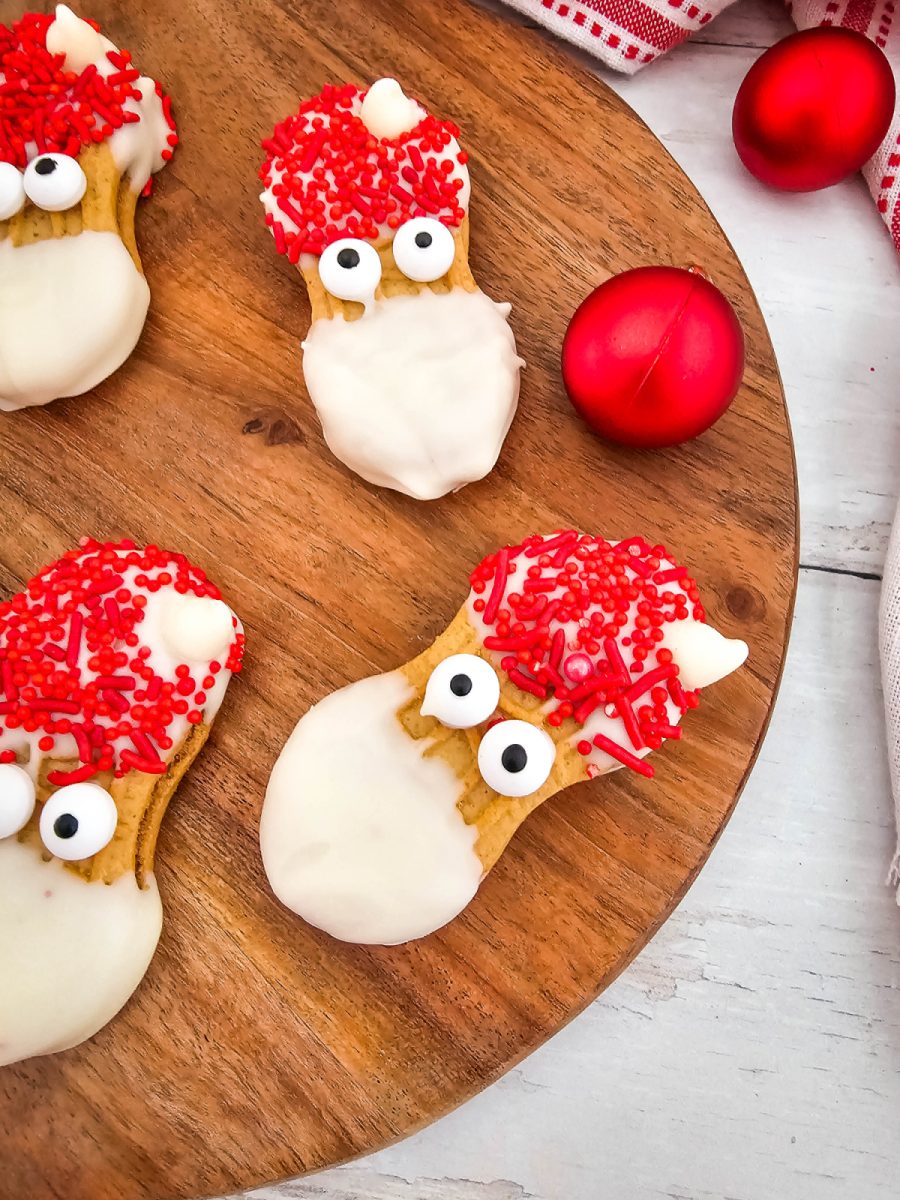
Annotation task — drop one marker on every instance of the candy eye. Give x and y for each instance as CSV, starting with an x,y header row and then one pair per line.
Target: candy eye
x,y
515,758
54,182
462,691
12,191
16,799
424,249
351,270
78,821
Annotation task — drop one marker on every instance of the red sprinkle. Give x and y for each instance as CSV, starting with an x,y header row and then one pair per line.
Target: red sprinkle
x,y
500,574
79,775
592,611
623,756
103,690
57,109
332,179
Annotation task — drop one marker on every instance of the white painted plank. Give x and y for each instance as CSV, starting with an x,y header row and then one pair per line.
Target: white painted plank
x,y
752,1051
753,23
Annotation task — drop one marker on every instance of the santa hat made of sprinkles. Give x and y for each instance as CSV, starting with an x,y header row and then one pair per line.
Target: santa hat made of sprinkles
x,y
53,101
587,627
108,657
347,165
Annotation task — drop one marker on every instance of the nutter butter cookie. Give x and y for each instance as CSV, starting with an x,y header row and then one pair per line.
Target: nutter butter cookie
x,y
114,661
81,134
412,369
392,799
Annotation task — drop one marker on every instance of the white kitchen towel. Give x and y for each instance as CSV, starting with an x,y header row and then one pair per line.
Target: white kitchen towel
x,y
889,631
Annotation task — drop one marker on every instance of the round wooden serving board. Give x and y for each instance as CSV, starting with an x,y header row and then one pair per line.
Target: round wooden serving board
x,y
258,1048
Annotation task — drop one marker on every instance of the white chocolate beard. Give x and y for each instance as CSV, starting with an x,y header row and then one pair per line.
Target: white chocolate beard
x,y
419,393
71,952
71,312
360,833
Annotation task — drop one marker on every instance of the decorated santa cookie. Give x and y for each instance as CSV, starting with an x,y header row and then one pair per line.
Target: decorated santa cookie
x,y
81,133
395,796
411,367
113,663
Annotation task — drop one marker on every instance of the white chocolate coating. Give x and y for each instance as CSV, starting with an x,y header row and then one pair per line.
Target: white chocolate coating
x,y
72,308
71,312
195,629
702,653
360,833
419,393
77,40
387,112
72,950
99,939
137,147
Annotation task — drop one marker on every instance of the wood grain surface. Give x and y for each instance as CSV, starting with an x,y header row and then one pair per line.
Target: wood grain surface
x,y
257,1048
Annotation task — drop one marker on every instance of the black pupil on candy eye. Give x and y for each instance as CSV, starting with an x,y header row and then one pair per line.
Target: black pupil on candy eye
x,y
45,166
423,240
460,685
514,758
65,826
348,258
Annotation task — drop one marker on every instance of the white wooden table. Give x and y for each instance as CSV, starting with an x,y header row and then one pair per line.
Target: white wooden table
x,y
752,1052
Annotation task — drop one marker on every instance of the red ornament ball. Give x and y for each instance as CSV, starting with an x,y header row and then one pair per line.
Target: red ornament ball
x,y
653,357
813,109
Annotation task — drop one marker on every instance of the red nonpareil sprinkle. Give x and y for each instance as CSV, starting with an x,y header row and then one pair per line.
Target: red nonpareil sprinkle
x,y
332,178
149,766
620,754
556,648
583,711
74,646
143,745
78,775
58,110
581,622
499,586
74,667
122,683
670,576
52,706
9,687
650,680
668,731
676,691
526,684
630,721
615,659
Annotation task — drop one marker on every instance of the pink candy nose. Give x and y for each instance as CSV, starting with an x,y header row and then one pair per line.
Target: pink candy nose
x,y
578,668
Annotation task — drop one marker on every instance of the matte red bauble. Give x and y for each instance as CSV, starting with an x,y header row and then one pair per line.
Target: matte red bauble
x,y
813,109
653,357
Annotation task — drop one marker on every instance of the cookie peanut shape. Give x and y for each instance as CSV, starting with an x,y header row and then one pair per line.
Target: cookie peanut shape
x,y
113,663
81,133
412,369
394,796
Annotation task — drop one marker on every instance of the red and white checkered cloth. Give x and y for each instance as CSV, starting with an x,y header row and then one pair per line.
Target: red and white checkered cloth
x,y
628,34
